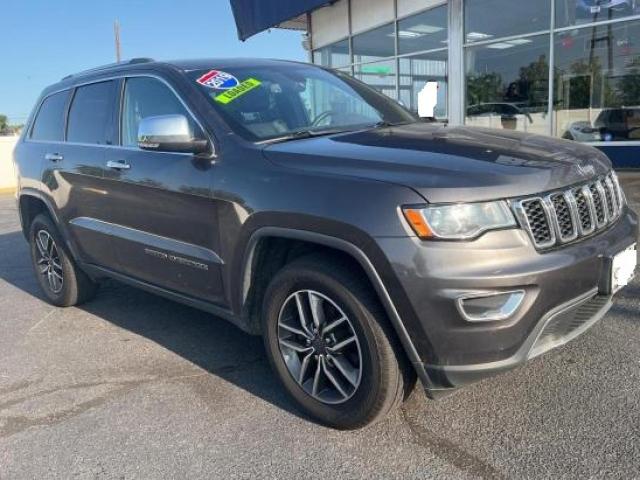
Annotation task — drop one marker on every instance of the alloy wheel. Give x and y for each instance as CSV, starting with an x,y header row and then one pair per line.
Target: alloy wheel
x,y
319,346
48,261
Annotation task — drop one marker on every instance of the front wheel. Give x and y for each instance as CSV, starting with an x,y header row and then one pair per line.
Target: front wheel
x,y
329,342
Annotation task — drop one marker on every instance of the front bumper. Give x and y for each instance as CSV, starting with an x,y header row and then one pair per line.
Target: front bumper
x,y
566,292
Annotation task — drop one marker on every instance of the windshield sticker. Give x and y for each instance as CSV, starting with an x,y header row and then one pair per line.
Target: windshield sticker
x,y
233,93
218,80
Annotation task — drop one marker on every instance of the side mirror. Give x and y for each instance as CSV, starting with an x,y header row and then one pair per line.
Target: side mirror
x,y
169,133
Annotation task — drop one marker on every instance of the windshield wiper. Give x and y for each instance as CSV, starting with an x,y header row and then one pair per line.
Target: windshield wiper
x,y
299,134
385,123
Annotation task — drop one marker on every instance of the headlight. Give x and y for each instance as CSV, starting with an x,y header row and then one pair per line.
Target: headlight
x,y
460,221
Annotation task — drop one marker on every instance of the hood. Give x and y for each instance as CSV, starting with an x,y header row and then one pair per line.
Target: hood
x,y
447,164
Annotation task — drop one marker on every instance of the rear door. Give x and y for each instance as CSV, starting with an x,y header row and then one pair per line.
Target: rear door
x,y
163,216
73,166
82,197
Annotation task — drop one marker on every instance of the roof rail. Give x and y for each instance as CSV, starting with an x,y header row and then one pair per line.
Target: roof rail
x,y
133,61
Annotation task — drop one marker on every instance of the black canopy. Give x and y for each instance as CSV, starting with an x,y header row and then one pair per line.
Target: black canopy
x,y
254,16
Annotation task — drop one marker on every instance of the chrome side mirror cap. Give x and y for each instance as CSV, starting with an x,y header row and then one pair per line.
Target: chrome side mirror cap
x,y
169,133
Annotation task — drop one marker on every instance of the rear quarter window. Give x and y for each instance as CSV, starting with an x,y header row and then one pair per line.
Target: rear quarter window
x,y
91,117
49,123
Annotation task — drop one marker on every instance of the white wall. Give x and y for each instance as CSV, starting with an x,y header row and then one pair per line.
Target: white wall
x,y
7,174
330,24
407,7
366,14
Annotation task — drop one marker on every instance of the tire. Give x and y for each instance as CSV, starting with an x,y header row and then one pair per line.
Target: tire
x,y
62,282
383,378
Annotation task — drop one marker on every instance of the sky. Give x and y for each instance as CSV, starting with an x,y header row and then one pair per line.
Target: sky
x,y
45,40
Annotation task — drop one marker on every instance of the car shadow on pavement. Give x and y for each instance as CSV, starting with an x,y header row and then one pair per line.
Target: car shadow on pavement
x,y
206,341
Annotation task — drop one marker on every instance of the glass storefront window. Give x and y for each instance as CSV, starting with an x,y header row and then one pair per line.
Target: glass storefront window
x,y
379,75
424,31
577,12
597,83
487,19
507,84
416,71
374,44
334,55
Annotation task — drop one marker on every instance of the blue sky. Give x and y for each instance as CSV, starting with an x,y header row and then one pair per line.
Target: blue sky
x,y
44,40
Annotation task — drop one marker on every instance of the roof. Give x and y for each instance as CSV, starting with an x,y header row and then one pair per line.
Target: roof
x,y
254,16
149,63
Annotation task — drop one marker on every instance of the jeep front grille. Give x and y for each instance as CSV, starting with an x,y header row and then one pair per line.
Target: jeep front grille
x,y
564,216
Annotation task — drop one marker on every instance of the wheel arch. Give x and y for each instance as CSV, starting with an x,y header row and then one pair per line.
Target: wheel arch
x,y
30,204
248,299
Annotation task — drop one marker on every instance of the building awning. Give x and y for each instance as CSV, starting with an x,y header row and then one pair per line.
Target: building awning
x,y
254,16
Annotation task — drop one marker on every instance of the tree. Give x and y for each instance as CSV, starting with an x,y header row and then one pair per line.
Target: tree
x,y
4,122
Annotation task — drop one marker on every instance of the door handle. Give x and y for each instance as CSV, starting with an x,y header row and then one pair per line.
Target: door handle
x,y
118,165
53,157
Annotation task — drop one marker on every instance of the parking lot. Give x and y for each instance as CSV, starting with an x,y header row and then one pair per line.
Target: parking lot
x,y
135,386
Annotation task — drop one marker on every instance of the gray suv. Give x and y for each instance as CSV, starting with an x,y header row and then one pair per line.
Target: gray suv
x,y
368,248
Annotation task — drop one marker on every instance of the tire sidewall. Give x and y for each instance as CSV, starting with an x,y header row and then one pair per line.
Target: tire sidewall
x,y
42,222
355,409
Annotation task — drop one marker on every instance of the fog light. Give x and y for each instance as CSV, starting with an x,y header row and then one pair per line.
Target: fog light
x,y
489,306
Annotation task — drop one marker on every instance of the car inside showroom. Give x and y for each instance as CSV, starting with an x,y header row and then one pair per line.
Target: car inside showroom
x,y
567,68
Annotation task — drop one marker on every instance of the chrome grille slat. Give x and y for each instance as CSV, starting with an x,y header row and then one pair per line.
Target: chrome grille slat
x,y
564,216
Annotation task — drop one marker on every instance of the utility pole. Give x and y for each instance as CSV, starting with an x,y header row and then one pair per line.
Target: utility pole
x,y
116,33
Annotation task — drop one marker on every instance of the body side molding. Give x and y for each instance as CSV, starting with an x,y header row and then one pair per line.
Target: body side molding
x,y
148,239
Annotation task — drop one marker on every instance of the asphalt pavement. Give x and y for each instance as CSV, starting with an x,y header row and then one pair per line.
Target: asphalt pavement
x,y
134,386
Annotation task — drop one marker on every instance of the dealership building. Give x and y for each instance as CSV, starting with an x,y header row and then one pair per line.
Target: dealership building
x,y
567,68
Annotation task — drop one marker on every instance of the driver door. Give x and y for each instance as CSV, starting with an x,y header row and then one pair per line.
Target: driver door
x,y
163,214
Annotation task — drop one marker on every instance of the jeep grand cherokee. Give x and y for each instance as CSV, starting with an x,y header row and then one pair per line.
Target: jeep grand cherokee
x,y
367,248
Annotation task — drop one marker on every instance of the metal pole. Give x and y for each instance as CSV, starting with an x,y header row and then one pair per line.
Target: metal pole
x,y
116,33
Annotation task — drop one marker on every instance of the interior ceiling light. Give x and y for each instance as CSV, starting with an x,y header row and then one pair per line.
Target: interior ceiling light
x,y
508,44
426,29
478,36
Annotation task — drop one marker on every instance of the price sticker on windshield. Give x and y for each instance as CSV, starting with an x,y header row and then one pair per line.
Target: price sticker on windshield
x,y
235,92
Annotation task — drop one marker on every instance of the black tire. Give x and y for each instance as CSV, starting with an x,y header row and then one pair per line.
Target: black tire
x,y
385,377
75,286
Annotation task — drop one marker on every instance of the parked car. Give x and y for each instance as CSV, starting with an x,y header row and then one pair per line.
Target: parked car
x,y
582,131
600,7
619,124
365,246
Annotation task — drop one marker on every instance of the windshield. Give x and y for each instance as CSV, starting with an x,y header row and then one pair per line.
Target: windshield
x,y
275,101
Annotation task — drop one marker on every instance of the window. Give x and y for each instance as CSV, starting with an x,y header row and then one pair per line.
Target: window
x,y
425,31
148,97
416,71
597,83
91,114
49,123
379,75
507,84
578,12
487,19
334,55
294,100
374,45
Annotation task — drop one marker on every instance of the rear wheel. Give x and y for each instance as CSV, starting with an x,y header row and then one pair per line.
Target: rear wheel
x,y
328,340
63,283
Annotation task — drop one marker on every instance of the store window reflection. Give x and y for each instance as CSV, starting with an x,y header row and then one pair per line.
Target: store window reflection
x,y
334,55
415,72
374,44
424,31
507,84
597,78
379,75
577,12
489,19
